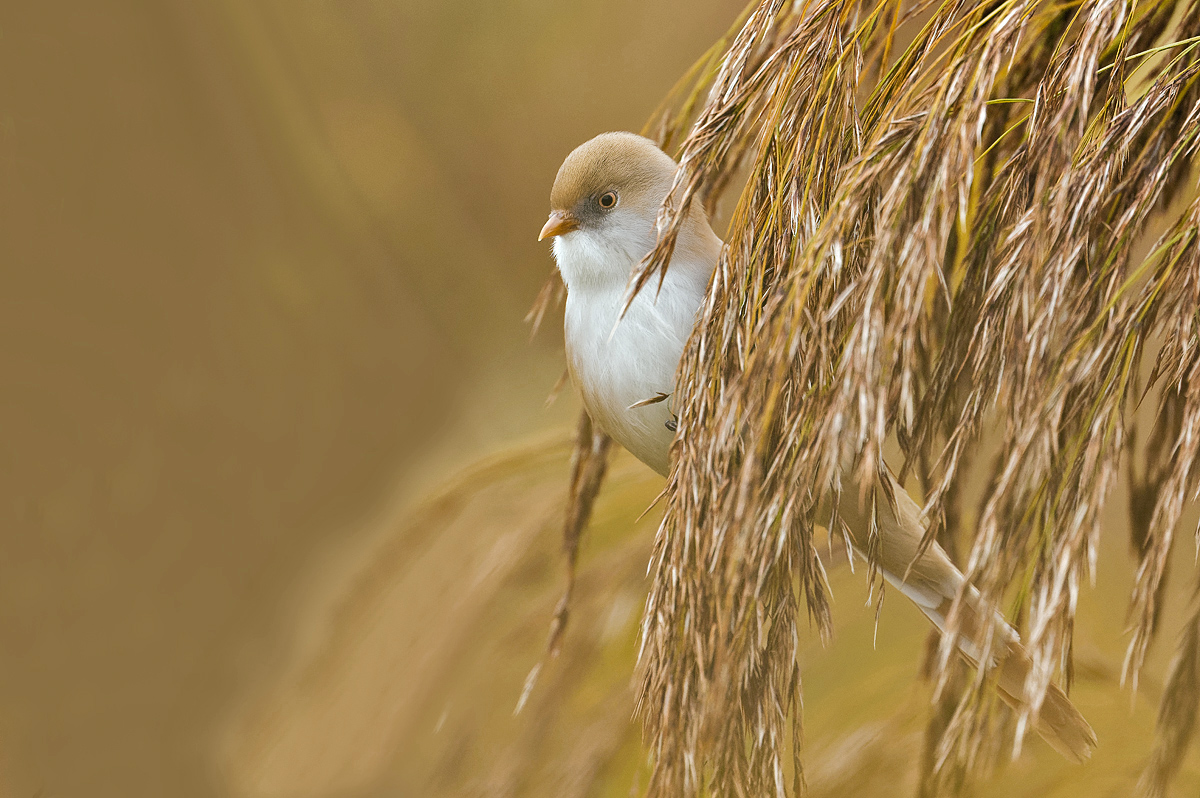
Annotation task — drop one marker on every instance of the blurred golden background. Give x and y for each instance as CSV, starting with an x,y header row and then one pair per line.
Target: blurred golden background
x,y
281,493
266,265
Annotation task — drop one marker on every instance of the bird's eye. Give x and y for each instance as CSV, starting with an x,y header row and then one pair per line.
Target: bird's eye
x,y
608,200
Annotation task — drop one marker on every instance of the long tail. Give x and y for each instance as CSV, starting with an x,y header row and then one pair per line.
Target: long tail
x,y
1059,722
931,582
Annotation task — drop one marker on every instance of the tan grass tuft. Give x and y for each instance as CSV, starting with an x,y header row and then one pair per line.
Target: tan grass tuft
x,y
934,238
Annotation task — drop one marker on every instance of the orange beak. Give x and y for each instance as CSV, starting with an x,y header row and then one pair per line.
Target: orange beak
x,y
559,222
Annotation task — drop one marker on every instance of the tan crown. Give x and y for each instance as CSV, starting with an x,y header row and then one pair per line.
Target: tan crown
x,y
627,163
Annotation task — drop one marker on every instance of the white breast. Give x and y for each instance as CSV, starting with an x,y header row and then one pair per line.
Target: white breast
x,y
618,362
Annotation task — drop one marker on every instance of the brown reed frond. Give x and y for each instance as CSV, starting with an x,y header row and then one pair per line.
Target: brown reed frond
x,y
1177,282
1176,712
928,242
589,463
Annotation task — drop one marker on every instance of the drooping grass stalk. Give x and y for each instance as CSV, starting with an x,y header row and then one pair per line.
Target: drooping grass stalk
x,y
907,262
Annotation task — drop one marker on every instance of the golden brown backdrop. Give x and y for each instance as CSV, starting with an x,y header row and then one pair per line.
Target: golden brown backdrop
x,y
265,265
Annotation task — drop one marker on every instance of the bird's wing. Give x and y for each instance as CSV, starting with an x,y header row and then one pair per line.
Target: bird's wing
x,y
927,580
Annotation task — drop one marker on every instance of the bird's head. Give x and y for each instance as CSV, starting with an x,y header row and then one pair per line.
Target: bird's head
x,y
604,205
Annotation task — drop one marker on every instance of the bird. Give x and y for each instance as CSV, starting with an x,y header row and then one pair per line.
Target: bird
x,y
623,362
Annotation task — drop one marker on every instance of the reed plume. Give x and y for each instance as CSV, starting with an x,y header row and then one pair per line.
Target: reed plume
x,y
941,229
